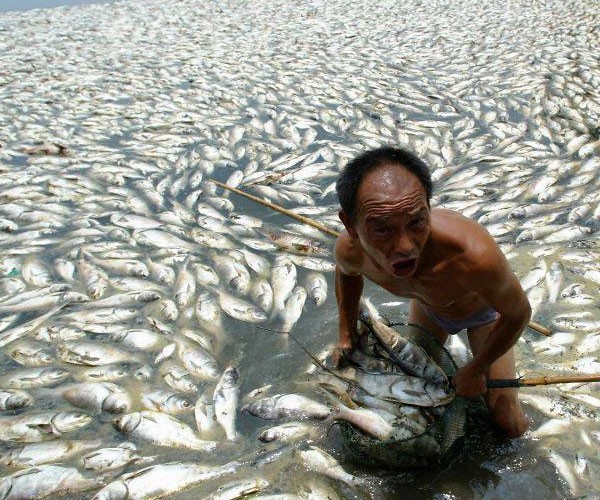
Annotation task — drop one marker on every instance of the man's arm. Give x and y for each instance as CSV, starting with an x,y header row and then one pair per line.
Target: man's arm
x,y
500,288
348,290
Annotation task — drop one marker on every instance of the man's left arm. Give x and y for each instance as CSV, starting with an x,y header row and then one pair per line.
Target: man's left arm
x,y
501,289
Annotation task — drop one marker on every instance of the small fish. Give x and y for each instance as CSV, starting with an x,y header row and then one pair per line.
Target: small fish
x,y
238,489
161,429
106,459
317,460
316,287
184,288
283,281
292,309
204,413
44,481
95,280
87,353
161,273
31,353
39,376
178,378
535,276
240,309
261,294
58,450
150,482
197,360
98,397
225,398
281,406
12,399
165,401
32,426
407,355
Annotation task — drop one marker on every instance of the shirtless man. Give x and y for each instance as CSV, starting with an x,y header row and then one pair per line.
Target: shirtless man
x,y
449,266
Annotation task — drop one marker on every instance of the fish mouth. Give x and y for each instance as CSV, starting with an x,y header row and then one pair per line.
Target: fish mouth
x,y
404,267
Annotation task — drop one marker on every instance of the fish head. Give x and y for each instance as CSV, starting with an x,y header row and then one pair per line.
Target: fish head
x,y
117,490
231,375
258,315
128,423
138,270
143,372
179,404
116,403
45,358
148,296
75,297
55,374
70,421
18,400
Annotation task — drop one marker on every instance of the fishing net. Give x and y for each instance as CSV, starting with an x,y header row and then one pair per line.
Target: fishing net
x,y
441,439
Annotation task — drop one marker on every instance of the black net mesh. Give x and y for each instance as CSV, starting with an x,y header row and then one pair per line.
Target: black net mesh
x,y
441,438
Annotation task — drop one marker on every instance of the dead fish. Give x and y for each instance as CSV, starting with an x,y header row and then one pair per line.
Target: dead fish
x,y
410,357
281,406
162,429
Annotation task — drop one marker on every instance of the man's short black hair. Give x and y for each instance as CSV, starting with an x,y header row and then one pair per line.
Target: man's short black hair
x,y
349,181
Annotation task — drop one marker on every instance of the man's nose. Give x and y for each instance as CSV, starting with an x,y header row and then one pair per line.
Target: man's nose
x,y
404,245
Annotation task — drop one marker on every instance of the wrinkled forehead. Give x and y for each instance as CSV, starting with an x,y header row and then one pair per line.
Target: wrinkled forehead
x,y
390,186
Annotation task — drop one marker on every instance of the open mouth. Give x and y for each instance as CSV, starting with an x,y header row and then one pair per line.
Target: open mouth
x,y
404,267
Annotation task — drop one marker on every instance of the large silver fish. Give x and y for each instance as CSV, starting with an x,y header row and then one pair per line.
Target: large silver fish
x,y
44,481
162,429
410,357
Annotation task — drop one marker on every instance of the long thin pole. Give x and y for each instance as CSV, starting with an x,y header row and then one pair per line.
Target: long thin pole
x,y
530,382
532,324
282,210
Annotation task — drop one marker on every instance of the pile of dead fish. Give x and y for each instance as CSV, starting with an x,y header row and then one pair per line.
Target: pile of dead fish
x,y
390,387
127,276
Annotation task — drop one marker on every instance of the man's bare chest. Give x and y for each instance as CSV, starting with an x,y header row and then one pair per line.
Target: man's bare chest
x,y
439,289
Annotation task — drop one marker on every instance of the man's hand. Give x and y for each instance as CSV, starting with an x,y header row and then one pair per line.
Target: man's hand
x,y
469,381
340,351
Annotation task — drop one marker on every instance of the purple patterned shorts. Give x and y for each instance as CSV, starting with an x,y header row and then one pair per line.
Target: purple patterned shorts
x,y
453,326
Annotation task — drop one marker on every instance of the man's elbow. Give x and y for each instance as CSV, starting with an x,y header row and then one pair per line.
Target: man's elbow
x,y
522,316
517,318
526,312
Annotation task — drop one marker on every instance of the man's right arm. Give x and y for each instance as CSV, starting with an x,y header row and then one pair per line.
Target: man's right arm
x,y
348,290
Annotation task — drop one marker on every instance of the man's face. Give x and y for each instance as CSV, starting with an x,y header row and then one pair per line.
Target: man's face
x,y
392,219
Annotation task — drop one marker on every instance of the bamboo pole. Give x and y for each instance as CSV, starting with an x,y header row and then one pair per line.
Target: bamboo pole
x,y
540,328
282,210
530,382
532,324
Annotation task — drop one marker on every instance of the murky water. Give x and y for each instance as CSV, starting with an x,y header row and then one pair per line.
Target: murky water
x,y
138,90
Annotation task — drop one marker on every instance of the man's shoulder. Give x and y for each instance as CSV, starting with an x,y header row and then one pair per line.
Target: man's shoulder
x,y
475,248
348,254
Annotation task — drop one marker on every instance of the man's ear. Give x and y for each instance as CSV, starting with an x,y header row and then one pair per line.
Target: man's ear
x,y
348,224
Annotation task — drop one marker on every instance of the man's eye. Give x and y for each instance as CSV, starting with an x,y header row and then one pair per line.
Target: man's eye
x,y
418,221
381,230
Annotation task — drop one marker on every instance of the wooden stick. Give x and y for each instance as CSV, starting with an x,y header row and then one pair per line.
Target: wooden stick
x,y
540,328
530,382
532,324
282,210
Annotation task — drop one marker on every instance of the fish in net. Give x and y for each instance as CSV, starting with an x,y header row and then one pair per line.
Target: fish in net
x,y
442,437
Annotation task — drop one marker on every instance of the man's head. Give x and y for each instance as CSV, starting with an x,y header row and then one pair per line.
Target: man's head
x,y
349,181
384,195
